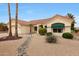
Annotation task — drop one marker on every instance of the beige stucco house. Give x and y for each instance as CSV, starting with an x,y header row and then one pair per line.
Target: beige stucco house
x,y
57,24
22,26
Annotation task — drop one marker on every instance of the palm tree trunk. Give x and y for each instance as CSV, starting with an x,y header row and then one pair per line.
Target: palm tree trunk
x,y
16,21
10,31
30,29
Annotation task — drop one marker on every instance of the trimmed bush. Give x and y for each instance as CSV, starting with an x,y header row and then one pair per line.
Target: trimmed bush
x,y
76,31
42,31
49,33
67,35
51,39
41,26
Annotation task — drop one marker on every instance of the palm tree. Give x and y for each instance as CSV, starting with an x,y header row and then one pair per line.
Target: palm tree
x,y
16,21
30,28
70,15
10,31
72,25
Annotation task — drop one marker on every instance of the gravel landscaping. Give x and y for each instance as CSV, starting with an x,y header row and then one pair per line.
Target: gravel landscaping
x,y
10,47
39,47
64,47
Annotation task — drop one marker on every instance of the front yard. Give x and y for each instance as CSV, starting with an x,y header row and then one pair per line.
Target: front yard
x,y
39,47
9,47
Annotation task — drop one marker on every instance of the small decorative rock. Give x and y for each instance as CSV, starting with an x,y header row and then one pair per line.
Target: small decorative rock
x,y
22,49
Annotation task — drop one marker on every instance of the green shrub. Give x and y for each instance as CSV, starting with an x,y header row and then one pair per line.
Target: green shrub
x,y
41,26
67,35
76,31
42,31
51,39
49,33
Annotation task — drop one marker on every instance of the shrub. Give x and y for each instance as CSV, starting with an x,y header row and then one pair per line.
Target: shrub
x,y
41,26
67,35
49,33
42,31
3,28
51,39
76,31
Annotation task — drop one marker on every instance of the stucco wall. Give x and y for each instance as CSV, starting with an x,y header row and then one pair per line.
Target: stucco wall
x,y
21,28
13,27
67,29
66,23
25,29
13,30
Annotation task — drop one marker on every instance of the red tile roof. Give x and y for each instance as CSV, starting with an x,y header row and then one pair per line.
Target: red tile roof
x,y
41,21
22,22
44,21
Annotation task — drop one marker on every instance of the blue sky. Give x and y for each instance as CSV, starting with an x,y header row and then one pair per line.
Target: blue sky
x,y
31,11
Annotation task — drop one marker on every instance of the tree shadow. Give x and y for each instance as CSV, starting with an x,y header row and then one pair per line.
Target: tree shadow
x,y
6,38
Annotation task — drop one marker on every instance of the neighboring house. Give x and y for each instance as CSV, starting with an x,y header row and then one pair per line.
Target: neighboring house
x,y
57,24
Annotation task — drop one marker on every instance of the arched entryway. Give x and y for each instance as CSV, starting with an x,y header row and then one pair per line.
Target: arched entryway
x,y
57,27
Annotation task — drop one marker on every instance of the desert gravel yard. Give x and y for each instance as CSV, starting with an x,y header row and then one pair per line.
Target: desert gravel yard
x,y
9,48
39,47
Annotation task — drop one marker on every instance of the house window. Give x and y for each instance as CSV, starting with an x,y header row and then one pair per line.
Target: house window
x,y
58,27
54,30
45,26
58,30
35,28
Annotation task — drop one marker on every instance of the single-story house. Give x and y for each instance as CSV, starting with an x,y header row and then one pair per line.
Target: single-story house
x,y
22,26
57,24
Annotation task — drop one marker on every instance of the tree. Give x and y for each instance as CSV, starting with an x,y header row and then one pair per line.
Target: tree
x,y
3,27
70,15
30,28
10,31
16,21
72,25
